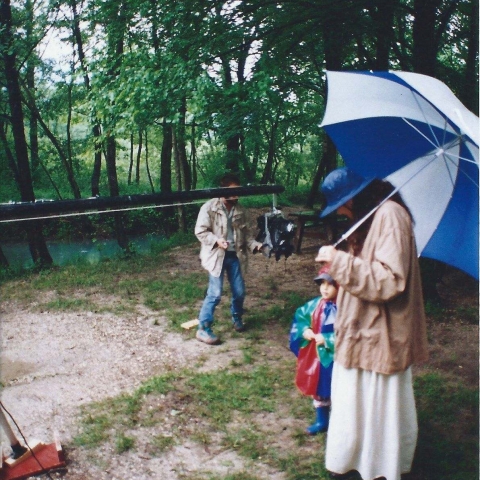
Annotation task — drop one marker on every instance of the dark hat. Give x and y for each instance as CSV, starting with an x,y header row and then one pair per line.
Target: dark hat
x,y
324,275
340,186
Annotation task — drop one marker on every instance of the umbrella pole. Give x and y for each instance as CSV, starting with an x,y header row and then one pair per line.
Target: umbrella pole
x,y
363,220
369,214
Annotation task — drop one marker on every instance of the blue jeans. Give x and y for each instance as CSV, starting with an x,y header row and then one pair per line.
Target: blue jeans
x,y
231,265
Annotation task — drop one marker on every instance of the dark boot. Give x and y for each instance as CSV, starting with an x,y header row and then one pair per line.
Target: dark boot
x,y
321,423
238,325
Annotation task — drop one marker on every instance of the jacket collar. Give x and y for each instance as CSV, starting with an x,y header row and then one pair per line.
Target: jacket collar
x,y
217,206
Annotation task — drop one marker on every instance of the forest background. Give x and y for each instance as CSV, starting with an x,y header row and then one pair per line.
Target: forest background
x,y
161,96
157,96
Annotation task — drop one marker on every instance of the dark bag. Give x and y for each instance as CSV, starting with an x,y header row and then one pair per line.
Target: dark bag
x,y
276,234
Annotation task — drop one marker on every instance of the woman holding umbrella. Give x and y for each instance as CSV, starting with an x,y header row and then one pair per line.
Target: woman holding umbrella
x,y
380,331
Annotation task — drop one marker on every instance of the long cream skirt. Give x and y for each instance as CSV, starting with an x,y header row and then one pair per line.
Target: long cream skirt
x,y
373,423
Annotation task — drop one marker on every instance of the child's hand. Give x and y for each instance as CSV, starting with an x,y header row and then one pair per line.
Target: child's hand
x,y
308,334
319,340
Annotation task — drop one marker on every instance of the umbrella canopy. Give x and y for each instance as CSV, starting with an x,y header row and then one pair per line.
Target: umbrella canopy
x,y
411,130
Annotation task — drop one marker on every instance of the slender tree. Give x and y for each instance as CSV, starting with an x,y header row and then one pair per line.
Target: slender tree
x,y
36,240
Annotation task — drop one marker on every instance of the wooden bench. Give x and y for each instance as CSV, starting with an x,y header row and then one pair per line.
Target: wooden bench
x,y
311,219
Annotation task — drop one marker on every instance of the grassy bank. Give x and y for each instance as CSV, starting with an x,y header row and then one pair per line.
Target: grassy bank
x,y
249,404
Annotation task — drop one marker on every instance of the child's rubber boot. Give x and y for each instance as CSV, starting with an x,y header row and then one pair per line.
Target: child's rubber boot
x,y
321,423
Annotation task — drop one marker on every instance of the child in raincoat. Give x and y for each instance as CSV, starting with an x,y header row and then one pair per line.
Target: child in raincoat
x,y
312,341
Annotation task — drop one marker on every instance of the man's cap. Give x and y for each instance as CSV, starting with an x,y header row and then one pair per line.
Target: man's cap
x,y
324,275
341,185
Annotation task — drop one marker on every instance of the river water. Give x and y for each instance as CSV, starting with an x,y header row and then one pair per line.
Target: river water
x,y
90,251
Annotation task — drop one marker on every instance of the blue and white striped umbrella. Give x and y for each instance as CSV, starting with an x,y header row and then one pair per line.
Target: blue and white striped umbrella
x,y
413,131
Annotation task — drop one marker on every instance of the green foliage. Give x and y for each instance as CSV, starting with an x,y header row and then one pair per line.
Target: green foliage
x,y
242,85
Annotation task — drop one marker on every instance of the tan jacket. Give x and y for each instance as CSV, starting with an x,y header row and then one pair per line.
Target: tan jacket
x,y
381,323
212,225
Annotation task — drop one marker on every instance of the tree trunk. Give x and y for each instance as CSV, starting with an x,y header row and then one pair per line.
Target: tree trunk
x,y
139,157
115,28
166,159
8,152
383,16
69,125
232,163
111,160
182,222
3,259
96,130
58,147
30,79
333,61
97,163
130,167
267,176
193,158
424,43
33,134
327,163
147,166
181,147
38,247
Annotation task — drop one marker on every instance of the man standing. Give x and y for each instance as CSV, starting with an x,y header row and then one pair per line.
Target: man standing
x,y
223,233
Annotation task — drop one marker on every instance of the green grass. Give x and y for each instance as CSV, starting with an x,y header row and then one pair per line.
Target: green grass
x,y
176,290
468,315
229,401
149,279
225,401
123,443
162,443
64,304
448,422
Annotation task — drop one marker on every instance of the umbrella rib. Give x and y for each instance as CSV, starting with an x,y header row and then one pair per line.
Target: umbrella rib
x,y
463,158
421,133
425,117
460,170
369,214
469,177
451,157
446,160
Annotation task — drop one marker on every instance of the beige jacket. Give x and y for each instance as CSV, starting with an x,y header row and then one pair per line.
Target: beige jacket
x,y
381,323
212,225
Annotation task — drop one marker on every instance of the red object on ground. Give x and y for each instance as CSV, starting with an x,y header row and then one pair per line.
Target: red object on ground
x,y
50,456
